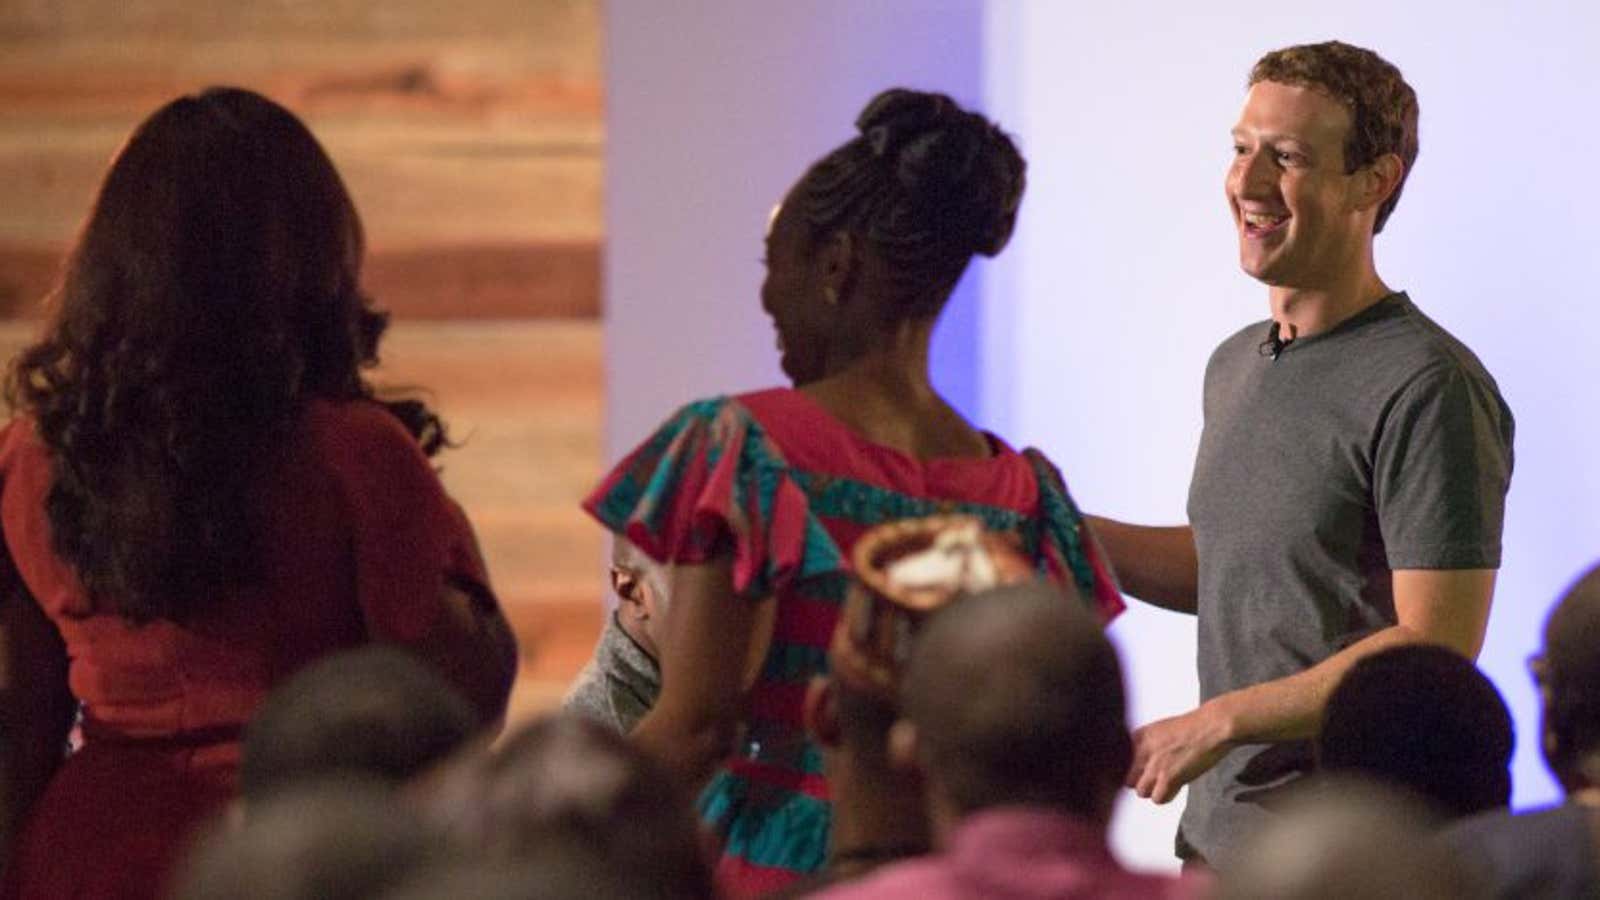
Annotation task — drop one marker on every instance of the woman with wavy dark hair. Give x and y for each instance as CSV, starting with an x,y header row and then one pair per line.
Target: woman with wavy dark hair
x,y
201,494
757,499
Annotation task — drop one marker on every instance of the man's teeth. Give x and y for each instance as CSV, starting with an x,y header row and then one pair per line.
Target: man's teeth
x,y
1263,220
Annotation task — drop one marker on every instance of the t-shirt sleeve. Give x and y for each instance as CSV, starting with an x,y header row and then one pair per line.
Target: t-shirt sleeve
x,y
1441,471
1069,549
710,484
411,541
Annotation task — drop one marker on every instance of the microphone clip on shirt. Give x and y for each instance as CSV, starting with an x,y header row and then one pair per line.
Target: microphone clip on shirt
x,y
1275,343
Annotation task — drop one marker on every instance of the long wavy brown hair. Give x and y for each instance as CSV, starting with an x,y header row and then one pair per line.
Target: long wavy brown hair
x,y
214,290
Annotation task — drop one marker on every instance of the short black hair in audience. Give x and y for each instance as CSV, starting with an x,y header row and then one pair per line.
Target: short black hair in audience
x,y
334,839
1568,672
1423,718
565,780
1049,726
376,711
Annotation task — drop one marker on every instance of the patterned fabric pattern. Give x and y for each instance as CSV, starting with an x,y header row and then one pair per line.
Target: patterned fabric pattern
x,y
717,479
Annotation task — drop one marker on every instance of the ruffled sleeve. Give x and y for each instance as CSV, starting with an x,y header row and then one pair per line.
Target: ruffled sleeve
x,y
711,483
1068,547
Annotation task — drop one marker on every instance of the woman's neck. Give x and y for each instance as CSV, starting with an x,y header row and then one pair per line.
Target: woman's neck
x,y
886,396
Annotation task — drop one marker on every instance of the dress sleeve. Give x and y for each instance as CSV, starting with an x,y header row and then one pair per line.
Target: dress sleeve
x,y
710,484
1069,549
411,542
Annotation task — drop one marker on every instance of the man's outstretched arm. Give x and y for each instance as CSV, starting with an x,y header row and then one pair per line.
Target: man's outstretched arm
x,y
1446,606
1156,564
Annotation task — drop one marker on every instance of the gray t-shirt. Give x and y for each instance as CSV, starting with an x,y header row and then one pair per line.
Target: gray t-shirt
x,y
1381,444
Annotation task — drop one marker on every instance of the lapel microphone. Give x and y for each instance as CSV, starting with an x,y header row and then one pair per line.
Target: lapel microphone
x,y
1275,343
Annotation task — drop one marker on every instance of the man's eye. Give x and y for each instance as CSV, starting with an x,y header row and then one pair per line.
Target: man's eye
x,y
1240,149
1290,158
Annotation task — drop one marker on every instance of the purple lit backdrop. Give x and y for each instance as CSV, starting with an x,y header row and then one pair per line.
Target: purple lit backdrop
x,y
1125,275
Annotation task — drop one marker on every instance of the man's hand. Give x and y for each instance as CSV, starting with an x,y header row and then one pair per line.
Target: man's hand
x,y
1170,753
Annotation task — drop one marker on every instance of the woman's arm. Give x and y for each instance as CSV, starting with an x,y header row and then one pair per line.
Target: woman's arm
x,y
714,641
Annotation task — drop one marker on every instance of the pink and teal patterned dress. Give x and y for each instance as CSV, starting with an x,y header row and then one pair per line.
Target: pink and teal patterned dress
x,y
774,481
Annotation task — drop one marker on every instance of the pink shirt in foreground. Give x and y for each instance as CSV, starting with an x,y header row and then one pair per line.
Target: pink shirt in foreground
x,y
1015,853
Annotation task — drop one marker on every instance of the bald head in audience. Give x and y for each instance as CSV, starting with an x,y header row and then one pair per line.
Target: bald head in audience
x,y
1049,726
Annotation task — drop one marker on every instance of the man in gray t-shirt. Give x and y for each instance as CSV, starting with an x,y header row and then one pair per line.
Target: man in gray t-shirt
x,y
1349,489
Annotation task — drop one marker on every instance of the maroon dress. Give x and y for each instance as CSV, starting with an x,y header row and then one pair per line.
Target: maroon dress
x,y
357,542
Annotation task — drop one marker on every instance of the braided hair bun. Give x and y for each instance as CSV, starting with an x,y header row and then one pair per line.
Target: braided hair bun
x,y
926,183
949,163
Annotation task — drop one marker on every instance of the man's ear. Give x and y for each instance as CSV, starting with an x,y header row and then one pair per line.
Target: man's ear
x,y
903,746
820,712
1378,181
625,584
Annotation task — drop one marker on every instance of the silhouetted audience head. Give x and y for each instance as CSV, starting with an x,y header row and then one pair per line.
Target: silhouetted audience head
x,y
213,289
879,230
568,781
375,711
1422,718
1048,726
324,840
1568,674
1348,839
1552,851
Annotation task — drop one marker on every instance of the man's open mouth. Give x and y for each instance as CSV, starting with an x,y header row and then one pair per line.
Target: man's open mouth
x,y
1262,224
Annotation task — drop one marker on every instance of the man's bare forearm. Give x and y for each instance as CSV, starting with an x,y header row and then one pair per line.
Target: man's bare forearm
x,y
1445,607
1172,752
1291,708
1156,564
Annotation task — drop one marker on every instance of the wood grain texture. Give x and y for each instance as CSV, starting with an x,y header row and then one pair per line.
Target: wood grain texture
x,y
555,280
470,134
471,137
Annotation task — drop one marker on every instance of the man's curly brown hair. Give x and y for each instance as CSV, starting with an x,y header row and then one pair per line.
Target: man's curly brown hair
x,y
1383,108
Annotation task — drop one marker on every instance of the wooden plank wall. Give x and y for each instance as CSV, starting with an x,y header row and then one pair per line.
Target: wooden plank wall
x,y
470,134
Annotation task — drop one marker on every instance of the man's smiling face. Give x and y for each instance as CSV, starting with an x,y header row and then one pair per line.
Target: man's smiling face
x,y
1292,201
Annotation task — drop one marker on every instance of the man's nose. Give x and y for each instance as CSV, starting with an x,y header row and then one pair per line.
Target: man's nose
x,y
1254,175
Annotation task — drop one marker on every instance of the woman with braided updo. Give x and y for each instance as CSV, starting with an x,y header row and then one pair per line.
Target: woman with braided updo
x,y
757,499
